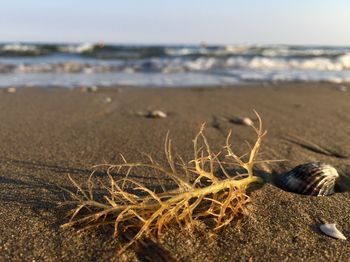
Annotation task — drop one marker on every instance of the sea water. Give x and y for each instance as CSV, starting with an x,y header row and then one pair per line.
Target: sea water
x,y
73,65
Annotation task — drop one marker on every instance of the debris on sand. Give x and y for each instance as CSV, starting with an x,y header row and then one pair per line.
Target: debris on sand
x,y
11,90
238,120
88,89
332,231
153,114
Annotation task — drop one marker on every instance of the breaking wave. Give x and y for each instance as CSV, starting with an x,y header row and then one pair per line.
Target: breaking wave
x,y
219,64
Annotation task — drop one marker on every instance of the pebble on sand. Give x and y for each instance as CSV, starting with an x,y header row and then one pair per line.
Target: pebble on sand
x,y
153,114
107,100
88,89
246,121
11,90
342,88
156,114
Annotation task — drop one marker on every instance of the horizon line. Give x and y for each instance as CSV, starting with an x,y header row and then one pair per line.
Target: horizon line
x,y
203,43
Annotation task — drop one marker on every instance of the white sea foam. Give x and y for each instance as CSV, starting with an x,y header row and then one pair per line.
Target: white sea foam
x,y
19,48
180,51
82,48
319,63
166,65
344,60
68,67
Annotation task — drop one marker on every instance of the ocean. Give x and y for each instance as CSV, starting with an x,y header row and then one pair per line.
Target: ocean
x,y
75,65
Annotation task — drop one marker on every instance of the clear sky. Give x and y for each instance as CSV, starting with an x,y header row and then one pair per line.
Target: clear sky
x,y
322,22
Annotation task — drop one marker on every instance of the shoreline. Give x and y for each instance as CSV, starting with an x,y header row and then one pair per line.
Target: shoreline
x,y
47,133
265,84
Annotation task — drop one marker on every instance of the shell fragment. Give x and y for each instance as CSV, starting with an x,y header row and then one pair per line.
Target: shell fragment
x,y
332,231
246,121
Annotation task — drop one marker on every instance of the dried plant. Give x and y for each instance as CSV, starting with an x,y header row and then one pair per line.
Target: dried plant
x,y
203,189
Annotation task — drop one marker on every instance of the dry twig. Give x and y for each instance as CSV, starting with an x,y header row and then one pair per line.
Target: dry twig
x,y
200,192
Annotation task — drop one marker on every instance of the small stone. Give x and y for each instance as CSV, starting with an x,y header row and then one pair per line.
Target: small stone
x,y
88,89
246,121
10,90
107,99
342,88
156,114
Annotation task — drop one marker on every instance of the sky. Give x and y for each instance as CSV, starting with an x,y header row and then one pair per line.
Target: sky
x,y
310,22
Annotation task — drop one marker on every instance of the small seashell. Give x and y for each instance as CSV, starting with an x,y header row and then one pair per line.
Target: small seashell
x,y
88,89
156,114
332,231
241,121
316,179
107,99
10,90
342,88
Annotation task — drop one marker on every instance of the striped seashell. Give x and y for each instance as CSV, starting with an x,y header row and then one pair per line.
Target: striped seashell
x,y
315,179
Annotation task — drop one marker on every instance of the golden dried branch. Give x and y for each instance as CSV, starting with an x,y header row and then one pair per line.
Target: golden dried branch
x,y
200,192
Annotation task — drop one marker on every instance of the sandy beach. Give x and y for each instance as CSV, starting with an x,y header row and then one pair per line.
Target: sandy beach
x,y
46,134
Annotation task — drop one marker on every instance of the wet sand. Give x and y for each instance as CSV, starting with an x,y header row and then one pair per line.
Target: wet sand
x,y
46,134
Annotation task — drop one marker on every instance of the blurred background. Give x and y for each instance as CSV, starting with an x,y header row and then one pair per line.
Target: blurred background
x,y
164,43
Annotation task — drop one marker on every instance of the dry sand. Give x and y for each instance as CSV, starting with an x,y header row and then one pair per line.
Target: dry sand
x,y
46,134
